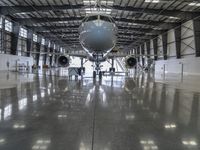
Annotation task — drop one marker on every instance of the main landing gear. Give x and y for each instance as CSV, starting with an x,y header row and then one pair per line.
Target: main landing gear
x,y
100,74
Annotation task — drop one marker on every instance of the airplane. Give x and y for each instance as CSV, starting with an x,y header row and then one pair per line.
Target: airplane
x,y
98,37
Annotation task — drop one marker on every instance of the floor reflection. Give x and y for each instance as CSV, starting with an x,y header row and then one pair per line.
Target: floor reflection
x,y
116,113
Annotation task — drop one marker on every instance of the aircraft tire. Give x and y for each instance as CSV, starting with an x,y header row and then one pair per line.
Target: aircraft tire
x,y
100,75
94,74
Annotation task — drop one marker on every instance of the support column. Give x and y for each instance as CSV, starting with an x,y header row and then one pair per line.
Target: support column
x,y
112,62
138,53
177,33
155,48
51,55
196,24
56,55
148,48
29,43
81,62
38,46
46,51
142,52
164,42
14,38
3,36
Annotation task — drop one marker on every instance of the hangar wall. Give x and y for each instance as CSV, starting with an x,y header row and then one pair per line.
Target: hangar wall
x,y
13,62
188,64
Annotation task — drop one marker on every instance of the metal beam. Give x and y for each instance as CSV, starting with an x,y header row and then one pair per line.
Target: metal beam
x,y
138,53
3,36
48,28
145,30
186,15
38,47
59,32
45,50
177,33
120,32
196,24
51,57
164,43
29,42
155,48
14,38
161,24
148,48
6,10
142,52
120,36
43,29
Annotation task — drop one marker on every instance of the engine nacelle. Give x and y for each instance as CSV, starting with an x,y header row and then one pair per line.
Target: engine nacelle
x,y
64,61
130,62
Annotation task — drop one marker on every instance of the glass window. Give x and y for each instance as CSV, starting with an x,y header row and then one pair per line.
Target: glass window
x,y
8,26
22,47
61,50
43,41
23,33
7,43
1,21
49,45
35,37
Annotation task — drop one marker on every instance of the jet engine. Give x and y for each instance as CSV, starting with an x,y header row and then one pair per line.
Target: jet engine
x,y
64,61
130,62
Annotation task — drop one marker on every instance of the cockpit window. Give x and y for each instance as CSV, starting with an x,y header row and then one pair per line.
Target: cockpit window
x,y
92,18
96,17
105,18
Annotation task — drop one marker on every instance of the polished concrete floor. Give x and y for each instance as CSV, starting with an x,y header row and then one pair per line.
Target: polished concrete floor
x,y
49,112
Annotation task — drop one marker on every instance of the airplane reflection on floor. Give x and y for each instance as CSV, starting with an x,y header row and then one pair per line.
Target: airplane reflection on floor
x,y
130,113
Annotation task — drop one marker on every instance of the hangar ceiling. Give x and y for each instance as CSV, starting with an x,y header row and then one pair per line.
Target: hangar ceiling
x,y
137,20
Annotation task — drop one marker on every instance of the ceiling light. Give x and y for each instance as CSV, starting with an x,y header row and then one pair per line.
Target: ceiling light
x,y
171,17
86,2
155,1
130,117
19,126
152,1
192,4
107,2
189,143
170,126
2,140
148,145
92,2
96,11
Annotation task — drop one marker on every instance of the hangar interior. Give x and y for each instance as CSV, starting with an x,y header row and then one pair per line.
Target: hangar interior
x,y
153,105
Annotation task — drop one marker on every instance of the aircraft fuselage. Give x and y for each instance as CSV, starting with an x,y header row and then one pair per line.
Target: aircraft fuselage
x,y
98,36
